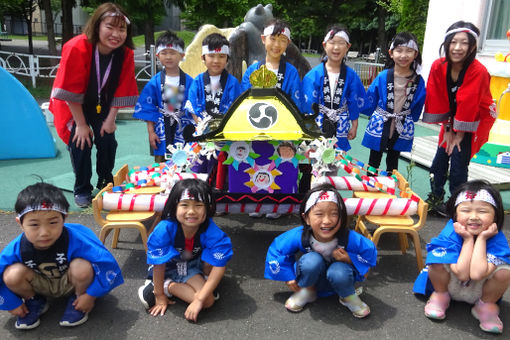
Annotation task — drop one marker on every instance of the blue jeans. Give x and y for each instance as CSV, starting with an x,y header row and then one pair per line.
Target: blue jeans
x,y
457,163
313,270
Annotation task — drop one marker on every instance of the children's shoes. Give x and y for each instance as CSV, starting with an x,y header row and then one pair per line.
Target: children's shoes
x,y
358,308
299,299
437,305
73,317
487,314
36,306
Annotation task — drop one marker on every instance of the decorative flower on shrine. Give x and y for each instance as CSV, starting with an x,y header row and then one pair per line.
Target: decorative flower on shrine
x,y
179,154
239,152
286,152
262,177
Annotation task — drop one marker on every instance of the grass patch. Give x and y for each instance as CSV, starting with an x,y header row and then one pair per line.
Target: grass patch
x,y
25,37
43,89
187,36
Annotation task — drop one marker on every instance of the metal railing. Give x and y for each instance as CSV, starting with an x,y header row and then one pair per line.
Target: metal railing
x,y
366,71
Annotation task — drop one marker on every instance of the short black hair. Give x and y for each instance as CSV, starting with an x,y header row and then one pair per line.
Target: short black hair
x,y
342,211
196,188
169,37
279,25
335,28
214,41
474,186
40,194
403,38
445,46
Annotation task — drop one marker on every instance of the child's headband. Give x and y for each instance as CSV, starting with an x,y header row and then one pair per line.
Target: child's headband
x,y
320,196
411,44
461,29
340,34
223,49
482,195
186,195
270,29
170,46
44,206
116,14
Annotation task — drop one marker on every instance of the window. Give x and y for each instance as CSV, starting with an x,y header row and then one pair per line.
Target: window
x,y
496,25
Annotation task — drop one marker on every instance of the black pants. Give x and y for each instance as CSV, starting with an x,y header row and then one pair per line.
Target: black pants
x,y
392,155
106,148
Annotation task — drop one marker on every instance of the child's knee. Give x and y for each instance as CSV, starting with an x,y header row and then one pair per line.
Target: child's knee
x,y
437,268
15,274
311,261
80,270
340,274
502,276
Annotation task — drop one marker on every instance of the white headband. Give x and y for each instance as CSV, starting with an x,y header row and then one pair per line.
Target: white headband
x,y
43,206
224,49
411,44
320,196
461,29
169,46
270,29
186,195
481,195
340,34
116,14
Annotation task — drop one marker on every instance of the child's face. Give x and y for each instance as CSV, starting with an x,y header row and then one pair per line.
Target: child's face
x,y
111,36
170,58
476,216
275,45
403,56
324,220
190,214
336,49
215,63
459,48
42,227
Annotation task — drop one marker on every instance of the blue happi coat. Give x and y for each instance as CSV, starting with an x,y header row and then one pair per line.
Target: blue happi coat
x,y
83,243
352,101
291,82
377,97
281,260
216,245
196,95
149,107
446,247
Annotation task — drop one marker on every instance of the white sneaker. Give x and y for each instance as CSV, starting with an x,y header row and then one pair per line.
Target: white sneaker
x,y
255,214
358,308
298,300
273,216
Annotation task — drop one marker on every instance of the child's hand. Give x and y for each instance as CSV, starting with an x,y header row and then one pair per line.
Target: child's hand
x,y
20,311
341,255
490,231
84,303
154,140
292,284
162,303
191,313
352,133
462,231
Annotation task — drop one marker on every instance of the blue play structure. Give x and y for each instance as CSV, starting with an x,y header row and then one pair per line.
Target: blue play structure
x,y
23,129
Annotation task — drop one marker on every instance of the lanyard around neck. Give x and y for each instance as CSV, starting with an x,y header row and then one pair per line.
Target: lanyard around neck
x,y
101,83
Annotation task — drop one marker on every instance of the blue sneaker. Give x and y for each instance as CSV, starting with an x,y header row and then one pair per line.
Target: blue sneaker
x,y
83,200
72,317
37,305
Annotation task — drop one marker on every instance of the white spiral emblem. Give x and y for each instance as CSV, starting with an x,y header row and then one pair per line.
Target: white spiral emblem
x,y
274,267
439,252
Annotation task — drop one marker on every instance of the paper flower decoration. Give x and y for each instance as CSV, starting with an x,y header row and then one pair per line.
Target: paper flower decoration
x,y
179,154
262,178
321,153
239,152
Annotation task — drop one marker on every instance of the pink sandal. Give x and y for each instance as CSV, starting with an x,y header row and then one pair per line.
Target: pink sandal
x,y
437,305
488,315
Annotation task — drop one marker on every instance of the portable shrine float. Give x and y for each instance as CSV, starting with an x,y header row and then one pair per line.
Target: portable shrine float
x,y
268,155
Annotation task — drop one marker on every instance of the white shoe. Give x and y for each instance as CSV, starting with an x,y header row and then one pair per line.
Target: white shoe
x,y
255,214
299,299
273,216
358,308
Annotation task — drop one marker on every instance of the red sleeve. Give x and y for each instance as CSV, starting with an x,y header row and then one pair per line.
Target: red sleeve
x,y
437,105
127,90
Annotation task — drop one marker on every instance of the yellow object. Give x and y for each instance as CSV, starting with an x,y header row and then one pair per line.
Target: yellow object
x,y
397,224
499,56
263,78
116,219
499,133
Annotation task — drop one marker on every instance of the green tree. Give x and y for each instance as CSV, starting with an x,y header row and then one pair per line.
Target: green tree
x,y
413,18
21,9
226,13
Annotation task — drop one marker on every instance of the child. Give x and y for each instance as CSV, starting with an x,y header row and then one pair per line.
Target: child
x,y
276,38
162,100
96,77
394,102
187,252
213,91
458,98
335,87
53,259
469,260
334,257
